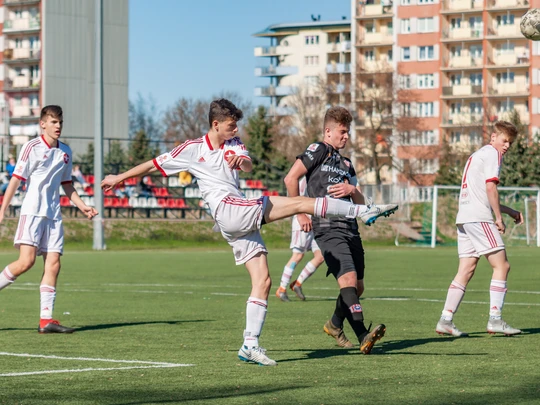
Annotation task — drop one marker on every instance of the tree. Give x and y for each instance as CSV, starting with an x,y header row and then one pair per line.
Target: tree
x,y
450,171
268,164
87,160
521,166
116,160
145,116
187,119
140,149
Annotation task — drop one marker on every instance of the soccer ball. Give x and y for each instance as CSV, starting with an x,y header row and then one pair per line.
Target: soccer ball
x,y
530,24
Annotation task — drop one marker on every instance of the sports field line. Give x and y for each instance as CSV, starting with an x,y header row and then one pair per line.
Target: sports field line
x,y
143,364
21,286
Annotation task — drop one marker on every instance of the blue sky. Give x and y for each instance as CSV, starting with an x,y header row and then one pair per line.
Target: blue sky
x,y
195,49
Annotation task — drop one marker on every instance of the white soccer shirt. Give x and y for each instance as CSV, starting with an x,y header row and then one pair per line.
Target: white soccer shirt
x,y
216,181
482,167
43,169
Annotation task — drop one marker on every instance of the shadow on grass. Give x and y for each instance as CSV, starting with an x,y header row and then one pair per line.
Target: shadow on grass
x,y
318,354
123,324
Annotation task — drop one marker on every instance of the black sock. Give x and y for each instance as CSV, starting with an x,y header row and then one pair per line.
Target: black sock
x,y
353,311
339,313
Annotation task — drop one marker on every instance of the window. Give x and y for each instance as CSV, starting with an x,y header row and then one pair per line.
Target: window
x,y
476,51
406,53
426,109
312,39
406,109
426,1
455,80
33,100
370,28
405,81
405,2
477,26
311,80
455,108
476,79
311,60
455,23
505,48
455,51
505,106
475,138
427,166
426,81
426,24
426,53
505,77
390,28
507,19
390,55
476,108
428,138
369,56
455,137
405,26
405,138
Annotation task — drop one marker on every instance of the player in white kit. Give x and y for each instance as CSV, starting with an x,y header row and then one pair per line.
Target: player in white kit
x,y
301,242
215,160
45,165
479,234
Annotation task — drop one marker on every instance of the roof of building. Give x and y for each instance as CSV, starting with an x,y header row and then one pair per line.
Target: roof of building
x,y
292,28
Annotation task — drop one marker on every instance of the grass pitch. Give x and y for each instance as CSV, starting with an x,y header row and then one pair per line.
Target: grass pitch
x,y
164,327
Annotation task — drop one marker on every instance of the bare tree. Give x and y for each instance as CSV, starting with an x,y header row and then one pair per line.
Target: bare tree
x,y
187,119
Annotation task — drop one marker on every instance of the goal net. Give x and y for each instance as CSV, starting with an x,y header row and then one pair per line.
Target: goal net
x,y
444,207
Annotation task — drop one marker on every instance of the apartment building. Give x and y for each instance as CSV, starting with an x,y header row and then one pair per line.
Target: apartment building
x,y
47,50
300,59
456,66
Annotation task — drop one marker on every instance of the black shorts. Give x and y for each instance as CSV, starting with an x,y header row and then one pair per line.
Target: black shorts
x,y
343,252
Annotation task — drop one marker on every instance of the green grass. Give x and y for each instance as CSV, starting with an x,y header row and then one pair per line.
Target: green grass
x,y
188,307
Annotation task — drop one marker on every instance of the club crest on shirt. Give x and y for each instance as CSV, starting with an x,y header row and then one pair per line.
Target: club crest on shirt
x,y
347,163
228,153
66,158
313,147
162,158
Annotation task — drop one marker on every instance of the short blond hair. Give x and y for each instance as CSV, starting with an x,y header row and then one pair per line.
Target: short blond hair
x,y
507,128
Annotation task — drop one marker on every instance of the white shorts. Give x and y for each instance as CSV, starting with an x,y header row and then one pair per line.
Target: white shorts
x,y
301,242
476,239
239,220
44,233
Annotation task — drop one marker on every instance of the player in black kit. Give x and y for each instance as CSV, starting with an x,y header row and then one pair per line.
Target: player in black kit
x,y
329,173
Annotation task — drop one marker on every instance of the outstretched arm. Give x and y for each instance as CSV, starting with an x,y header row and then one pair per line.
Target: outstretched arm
x,y
13,185
70,191
111,181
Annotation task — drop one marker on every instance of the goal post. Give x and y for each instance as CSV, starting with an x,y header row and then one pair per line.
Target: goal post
x,y
534,196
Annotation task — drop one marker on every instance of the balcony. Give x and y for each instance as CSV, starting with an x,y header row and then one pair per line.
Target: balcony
x,y
509,89
21,54
338,68
25,111
375,10
450,6
263,51
275,91
280,111
382,65
462,34
462,90
504,59
464,62
505,31
338,88
376,38
17,3
21,83
507,4
21,25
344,46
462,119
268,71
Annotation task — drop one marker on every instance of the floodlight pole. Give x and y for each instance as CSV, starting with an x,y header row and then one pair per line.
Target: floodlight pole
x,y
99,242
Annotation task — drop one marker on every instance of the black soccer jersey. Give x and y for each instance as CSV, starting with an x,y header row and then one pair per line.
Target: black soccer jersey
x,y
326,167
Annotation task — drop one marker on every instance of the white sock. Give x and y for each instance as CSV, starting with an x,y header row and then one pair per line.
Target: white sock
x,y
455,294
255,316
6,278
287,274
497,293
327,207
47,296
306,273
